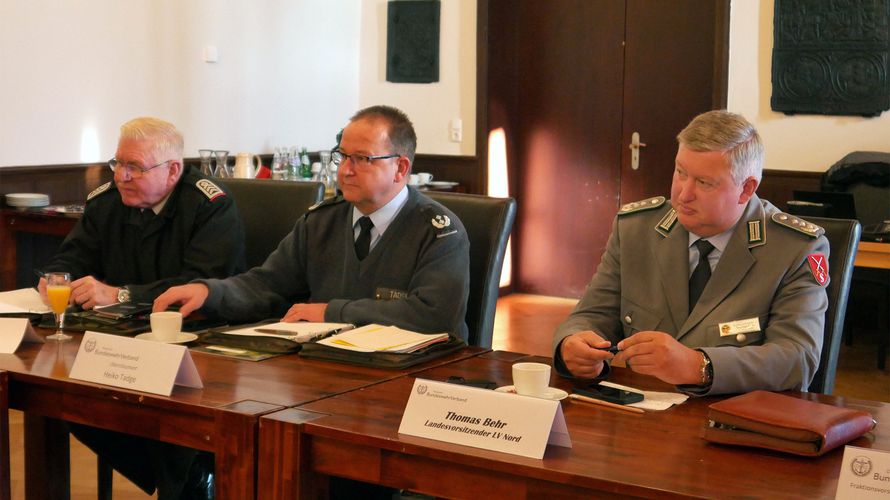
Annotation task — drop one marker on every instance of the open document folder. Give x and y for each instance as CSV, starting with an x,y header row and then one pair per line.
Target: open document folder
x,y
373,337
295,332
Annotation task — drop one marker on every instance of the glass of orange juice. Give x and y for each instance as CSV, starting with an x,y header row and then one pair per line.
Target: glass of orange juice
x,y
58,291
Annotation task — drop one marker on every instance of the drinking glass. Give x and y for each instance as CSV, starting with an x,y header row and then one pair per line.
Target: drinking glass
x,y
206,166
222,164
58,291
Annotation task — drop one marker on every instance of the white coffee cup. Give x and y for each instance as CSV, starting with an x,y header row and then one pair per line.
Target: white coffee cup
x,y
413,179
531,379
424,178
166,325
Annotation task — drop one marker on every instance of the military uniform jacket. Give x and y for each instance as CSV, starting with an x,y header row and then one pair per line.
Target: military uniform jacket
x,y
416,276
643,279
198,234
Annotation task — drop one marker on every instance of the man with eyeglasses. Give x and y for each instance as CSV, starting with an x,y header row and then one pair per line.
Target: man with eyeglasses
x,y
160,223
381,253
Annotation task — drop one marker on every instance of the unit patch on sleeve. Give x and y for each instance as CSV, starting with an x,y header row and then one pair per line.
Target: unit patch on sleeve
x,y
210,190
819,267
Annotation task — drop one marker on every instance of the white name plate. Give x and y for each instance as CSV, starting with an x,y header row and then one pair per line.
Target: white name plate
x,y
140,365
865,473
14,331
486,419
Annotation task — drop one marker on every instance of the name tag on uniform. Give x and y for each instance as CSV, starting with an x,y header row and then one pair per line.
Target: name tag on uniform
x,y
739,326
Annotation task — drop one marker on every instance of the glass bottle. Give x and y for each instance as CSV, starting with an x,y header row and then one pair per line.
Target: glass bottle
x,y
305,166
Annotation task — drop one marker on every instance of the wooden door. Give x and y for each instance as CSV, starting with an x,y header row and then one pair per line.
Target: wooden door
x,y
674,69
570,80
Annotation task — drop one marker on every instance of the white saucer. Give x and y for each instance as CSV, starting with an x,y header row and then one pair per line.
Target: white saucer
x,y
552,392
182,338
441,184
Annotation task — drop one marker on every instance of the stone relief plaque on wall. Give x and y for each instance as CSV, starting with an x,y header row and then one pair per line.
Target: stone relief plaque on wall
x,y
831,57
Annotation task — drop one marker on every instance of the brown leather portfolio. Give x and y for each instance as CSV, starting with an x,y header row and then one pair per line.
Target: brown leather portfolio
x,y
784,423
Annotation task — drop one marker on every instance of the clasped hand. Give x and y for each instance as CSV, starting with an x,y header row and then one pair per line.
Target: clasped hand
x,y
650,353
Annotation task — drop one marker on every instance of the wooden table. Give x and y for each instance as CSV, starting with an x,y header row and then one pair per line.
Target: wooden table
x,y
221,418
873,254
614,453
15,221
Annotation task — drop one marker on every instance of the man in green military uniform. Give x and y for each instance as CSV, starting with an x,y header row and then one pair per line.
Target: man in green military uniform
x,y
159,224
716,291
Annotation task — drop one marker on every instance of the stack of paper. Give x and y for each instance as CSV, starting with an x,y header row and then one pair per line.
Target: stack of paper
x,y
373,338
296,332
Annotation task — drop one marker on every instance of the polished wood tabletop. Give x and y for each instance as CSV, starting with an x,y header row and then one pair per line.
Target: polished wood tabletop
x,y
221,418
616,453
873,254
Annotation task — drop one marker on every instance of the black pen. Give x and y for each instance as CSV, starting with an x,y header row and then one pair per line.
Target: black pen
x,y
612,349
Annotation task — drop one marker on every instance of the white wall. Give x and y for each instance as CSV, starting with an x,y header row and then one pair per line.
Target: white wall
x,y
431,106
287,74
800,142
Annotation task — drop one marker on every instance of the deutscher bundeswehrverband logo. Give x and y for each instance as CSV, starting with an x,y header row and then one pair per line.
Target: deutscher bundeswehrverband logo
x,y
421,389
860,465
441,221
90,346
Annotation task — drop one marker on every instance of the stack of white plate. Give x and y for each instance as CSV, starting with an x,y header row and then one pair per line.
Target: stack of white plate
x,y
27,200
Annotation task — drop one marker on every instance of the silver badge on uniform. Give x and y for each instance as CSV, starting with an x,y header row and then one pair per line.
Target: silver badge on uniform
x,y
441,221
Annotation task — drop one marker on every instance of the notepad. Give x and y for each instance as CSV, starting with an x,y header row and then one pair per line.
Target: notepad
x,y
379,338
295,332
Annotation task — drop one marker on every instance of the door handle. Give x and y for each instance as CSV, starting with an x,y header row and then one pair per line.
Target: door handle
x,y
635,146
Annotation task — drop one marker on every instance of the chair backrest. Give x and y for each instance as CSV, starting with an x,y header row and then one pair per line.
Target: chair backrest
x,y
269,210
5,488
843,239
488,222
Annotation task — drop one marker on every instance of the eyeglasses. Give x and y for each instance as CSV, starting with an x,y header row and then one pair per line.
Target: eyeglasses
x,y
364,161
133,170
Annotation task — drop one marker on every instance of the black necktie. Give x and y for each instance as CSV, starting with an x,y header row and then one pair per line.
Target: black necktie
x,y
363,242
702,272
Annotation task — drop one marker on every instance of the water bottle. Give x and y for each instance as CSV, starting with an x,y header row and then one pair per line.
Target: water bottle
x,y
279,172
325,175
293,165
305,166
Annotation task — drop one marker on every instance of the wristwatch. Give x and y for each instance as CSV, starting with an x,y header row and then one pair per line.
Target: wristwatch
x,y
123,294
706,370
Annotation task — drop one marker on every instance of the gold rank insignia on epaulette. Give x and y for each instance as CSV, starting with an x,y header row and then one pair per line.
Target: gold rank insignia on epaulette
x,y
210,190
641,206
99,190
798,224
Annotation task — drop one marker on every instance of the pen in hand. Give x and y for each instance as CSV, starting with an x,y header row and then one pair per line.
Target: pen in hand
x,y
612,349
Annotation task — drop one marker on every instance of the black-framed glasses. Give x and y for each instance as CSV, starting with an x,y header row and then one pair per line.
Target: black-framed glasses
x,y
134,170
359,160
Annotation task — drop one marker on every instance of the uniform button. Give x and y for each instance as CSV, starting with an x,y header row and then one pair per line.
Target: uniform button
x,y
741,337
628,319
783,217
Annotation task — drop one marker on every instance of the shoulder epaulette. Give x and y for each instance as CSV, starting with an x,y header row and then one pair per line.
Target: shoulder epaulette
x,y
642,206
210,190
99,190
326,202
798,224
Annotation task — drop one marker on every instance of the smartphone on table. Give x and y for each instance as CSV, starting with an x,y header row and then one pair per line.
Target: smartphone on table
x,y
610,394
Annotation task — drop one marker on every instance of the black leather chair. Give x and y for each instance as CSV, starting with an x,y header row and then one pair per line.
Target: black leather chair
x,y
488,222
269,210
5,488
843,239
